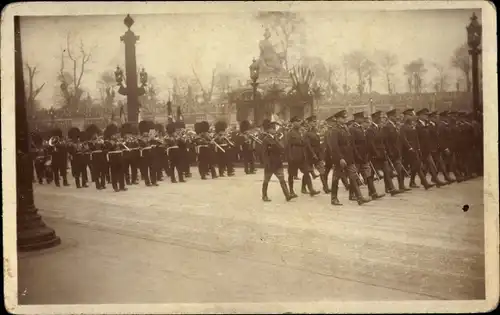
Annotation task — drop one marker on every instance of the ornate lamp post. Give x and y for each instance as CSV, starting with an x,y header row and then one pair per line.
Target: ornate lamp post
x,y
254,76
32,233
132,91
474,33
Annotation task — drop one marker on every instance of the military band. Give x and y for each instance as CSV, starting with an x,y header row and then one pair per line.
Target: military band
x,y
359,152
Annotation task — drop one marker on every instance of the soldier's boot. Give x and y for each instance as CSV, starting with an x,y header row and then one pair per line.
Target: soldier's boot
x,y
304,188
77,182
173,179
439,183
324,182
334,200
447,178
360,198
265,198
423,180
352,194
290,184
372,190
413,184
401,184
181,177
213,172
312,191
114,184
286,192
127,178
65,181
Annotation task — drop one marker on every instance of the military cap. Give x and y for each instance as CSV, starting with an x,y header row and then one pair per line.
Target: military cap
x,y
408,111
220,126
295,119
110,131
92,130
126,128
159,128
359,115
423,111
377,114
57,132
244,125
311,118
170,128
392,112
266,124
36,137
444,113
204,126
342,113
143,126
433,114
331,118
73,133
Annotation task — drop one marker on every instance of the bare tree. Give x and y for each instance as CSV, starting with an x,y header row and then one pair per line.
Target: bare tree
x,y
388,61
326,75
461,60
206,94
365,69
71,80
106,85
285,25
415,71
442,77
33,91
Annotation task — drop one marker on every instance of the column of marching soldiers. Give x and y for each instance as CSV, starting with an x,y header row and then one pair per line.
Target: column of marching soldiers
x,y
384,146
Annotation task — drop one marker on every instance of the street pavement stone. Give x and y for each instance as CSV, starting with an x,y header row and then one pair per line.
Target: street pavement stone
x,y
216,241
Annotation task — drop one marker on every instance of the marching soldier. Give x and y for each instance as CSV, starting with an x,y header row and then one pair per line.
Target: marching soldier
x,y
131,157
428,145
247,148
273,163
206,154
394,146
222,150
59,157
362,153
314,154
378,152
114,150
339,142
99,162
160,159
411,148
77,151
439,147
173,153
146,153
296,158
40,157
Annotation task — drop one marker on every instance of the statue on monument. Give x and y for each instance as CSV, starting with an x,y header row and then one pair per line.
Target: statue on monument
x,y
269,61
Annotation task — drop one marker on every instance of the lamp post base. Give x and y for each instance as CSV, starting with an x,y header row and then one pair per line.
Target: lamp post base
x,y
32,233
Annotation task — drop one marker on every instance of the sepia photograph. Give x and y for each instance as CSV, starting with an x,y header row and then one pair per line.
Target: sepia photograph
x,y
211,157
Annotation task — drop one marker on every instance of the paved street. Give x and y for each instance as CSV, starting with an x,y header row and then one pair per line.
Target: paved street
x,y
216,241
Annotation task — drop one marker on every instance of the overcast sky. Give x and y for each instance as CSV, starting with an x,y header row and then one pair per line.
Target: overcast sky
x,y
171,43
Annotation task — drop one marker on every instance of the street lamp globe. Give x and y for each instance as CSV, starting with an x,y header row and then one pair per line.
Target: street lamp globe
x,y
474,32
254,70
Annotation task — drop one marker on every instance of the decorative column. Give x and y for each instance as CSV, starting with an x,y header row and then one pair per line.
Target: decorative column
x,y
132,91
32,233
254,76
474,33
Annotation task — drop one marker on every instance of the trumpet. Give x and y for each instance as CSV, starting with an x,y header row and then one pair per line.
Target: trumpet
x,y
53,141
254,137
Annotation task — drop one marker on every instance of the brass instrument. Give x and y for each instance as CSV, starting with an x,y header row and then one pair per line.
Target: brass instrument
x,y
53,141
254,137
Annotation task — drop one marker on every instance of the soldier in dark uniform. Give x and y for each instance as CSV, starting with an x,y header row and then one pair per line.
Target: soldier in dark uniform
x,y
114,150
439,146
99,162
59,156
205,150
296,157
428,145
314,156
184,145
222,150
378,152
340,146
411,148
327,156
131,157
272,160
173,153
148,172
247,148
77,151
159,153
362,154
40,156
